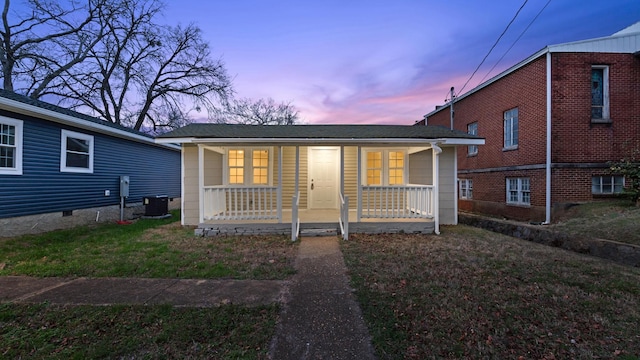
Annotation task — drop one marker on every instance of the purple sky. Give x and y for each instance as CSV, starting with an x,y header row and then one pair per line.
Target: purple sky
x,y
382,61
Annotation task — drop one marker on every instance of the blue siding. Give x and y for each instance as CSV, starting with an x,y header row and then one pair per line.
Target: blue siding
x,y
42,188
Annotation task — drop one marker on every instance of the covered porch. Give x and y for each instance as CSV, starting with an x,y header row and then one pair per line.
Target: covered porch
x,y
292,176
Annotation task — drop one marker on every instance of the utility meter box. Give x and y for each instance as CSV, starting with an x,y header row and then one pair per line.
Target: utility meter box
x,y
124,186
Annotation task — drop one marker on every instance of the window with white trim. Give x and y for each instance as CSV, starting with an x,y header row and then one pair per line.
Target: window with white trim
x,y
249,166
76,152
466,189
385,167
472,129
518,191
599,92
607,184
511,129
10,146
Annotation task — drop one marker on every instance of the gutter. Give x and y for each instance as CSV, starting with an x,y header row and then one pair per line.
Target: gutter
x,y
325,141
548,149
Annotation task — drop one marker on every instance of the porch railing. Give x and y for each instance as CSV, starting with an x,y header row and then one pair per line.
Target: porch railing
x,y
240,203
402,201
344,216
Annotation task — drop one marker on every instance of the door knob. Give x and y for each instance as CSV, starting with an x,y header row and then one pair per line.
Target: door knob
x,y
312,184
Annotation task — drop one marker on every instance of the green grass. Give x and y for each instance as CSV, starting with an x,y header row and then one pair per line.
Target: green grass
x,y
473,294
611,220
135,332
146,248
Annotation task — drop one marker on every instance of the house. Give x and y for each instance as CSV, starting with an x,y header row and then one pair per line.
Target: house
x,y
60,168
551,124
299,174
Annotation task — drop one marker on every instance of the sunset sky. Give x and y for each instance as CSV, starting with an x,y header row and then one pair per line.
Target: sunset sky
x,y
383,61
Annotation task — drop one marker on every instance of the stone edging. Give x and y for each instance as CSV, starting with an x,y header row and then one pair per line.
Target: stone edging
x,y
627,254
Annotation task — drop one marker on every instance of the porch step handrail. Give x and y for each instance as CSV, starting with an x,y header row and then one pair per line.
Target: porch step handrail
x,y
397,201
344,216
295,219
240,202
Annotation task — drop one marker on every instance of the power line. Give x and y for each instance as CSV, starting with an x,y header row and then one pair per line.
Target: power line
x,y
494,45
510,47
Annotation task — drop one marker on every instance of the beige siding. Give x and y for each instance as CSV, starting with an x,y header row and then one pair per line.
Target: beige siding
x,y
289,176
447,186
212,168
420,172
191,194
351,175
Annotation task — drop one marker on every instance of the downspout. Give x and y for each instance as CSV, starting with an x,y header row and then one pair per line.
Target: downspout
x,y
548,160
436,150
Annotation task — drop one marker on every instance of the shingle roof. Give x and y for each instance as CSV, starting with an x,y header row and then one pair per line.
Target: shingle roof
x,y
235,131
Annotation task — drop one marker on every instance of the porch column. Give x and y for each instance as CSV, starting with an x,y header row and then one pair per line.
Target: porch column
x,y
342,170
279,184
200,184
297,186
436,150
359,180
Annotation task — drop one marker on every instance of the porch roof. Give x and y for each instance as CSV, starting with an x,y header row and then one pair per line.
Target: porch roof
x,y
318,134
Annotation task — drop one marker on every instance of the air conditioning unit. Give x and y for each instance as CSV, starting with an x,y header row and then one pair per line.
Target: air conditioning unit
x,y
156,205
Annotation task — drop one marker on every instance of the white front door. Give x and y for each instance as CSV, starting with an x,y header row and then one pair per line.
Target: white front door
x,y
324,176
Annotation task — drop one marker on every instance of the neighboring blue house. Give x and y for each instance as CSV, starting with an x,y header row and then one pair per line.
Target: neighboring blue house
x,y
59,168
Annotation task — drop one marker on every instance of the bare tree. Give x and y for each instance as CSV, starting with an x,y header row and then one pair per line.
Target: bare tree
x,y
39,45
129,69
260,112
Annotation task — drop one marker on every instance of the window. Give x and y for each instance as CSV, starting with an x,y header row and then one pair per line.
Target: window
x,y
472,129
236,166
374,168
248,166
385,167
396,168
600,92
466,189
607,184
10,146
76,152
518,191
511,129
260,167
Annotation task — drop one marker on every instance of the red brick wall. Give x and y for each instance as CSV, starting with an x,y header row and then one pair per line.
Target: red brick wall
x,y
575,139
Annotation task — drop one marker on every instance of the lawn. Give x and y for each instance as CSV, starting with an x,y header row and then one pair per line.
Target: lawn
x,y
473,294
147,248
611,220
46,331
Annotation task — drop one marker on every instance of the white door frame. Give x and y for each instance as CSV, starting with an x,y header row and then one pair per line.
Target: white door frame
x,y
337,178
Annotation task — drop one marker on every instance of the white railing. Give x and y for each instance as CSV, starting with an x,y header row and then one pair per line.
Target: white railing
x,y
344,216
240,203
295,219
399,202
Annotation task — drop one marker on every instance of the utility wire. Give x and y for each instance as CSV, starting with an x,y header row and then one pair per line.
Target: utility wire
x,y
494,45
510,47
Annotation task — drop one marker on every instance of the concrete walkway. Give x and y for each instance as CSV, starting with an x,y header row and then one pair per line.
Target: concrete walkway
x,y
321,318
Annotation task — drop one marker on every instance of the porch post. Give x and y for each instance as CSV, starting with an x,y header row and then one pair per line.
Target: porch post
x,y
342,170
436,150
279,184
359,202
297,186
200,183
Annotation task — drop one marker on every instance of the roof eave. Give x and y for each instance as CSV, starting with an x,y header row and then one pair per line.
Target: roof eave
x,y
322,141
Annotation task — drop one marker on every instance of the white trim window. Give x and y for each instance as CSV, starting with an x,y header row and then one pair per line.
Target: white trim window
x,y
10,146
607,185
599,92
76,152
248,166
466,189
511,129
385,167
518,191
472,129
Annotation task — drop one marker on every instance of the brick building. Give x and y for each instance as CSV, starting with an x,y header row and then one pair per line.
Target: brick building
x,y
551,124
